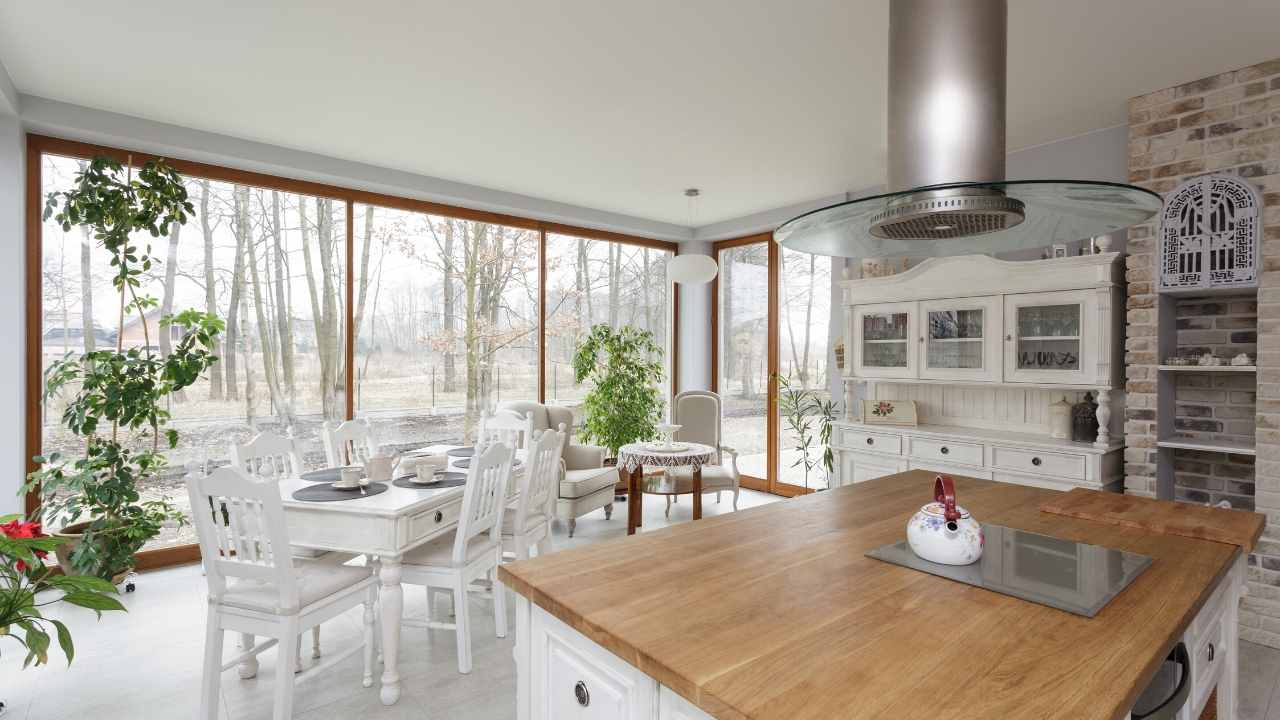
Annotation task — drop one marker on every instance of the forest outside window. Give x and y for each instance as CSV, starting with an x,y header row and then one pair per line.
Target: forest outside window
x,y
444,312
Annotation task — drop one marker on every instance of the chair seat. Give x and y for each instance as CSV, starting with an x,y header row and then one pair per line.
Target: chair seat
x,y
714,477
580,483
439,552
509,522
316,581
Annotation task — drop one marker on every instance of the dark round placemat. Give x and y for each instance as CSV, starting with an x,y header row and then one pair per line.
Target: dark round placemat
x,y
447,480
325,492
324,475
462,452
461,463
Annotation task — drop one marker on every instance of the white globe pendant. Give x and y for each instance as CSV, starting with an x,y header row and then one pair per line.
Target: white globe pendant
x,y
691,269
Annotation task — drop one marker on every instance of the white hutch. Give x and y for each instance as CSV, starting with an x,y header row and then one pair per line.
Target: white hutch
x,y
983,346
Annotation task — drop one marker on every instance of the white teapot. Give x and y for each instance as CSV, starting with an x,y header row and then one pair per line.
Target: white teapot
x,y
942,531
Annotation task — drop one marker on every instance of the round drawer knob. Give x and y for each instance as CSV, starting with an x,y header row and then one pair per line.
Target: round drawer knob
x,y
1035,461
439,516
945,450
580,692
871,441
1211,652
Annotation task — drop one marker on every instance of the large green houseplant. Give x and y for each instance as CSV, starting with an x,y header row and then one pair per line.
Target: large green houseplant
x,y
624,366
115,399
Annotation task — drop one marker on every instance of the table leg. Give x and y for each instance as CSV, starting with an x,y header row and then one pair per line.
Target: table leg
x,y
634,505
391,598
697,492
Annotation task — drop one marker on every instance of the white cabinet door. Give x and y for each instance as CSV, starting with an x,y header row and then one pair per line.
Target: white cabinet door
x,y
885,340
860,467
961,339
673,707
574,679
1049,337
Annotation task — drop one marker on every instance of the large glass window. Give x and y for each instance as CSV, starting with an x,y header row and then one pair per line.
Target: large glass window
x,y
446,315
743,373
596,281
804,294
271,264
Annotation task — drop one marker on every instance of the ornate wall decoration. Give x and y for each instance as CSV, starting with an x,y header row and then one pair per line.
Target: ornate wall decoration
x,y
1209,235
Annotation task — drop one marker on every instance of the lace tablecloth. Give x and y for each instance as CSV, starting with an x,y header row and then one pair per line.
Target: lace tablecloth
x,y
635,455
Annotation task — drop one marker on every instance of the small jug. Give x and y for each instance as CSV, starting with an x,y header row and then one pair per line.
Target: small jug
x,y
378,468
944,532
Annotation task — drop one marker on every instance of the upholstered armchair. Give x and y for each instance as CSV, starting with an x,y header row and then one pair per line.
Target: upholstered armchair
x,y
698,412
585,483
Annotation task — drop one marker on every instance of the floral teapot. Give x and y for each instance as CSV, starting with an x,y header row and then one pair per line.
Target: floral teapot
x,y
942,531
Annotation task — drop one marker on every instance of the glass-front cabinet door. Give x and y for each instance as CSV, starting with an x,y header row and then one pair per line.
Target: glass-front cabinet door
x,y
884,340
1047,337
960,339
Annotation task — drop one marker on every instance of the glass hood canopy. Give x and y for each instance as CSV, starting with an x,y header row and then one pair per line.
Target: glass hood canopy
x,y
1056,211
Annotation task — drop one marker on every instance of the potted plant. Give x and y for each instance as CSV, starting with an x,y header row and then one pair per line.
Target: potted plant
x,y
802,407
23,575
624,404
116,397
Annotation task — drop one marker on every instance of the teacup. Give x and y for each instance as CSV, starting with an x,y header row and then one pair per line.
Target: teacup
x,y
426,467
350,478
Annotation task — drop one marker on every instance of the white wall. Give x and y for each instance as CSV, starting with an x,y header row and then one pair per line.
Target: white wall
x,y
12,323
695,327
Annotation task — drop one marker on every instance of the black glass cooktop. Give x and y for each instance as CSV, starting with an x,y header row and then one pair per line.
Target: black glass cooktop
x,y
1076,577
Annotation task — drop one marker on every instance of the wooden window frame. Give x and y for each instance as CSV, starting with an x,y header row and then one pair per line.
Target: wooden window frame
x,y
37,146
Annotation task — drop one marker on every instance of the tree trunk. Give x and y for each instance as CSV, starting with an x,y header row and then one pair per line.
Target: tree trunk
x,y
615,281
244,234
808,319
450,322
284,321
328,342
270,371
363,273
210,287
243,312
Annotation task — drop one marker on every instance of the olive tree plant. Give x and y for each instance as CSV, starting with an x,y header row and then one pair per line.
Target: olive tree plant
x,y
116,397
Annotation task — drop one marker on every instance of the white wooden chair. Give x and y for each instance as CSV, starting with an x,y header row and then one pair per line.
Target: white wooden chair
x,y
271,458
349,443
527,524
471,553
699,414
256,589
505,426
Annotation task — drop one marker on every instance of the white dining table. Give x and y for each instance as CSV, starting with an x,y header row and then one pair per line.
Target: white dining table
x,y
383,526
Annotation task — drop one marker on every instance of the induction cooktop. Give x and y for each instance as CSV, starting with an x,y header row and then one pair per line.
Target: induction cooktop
x,y
1064,574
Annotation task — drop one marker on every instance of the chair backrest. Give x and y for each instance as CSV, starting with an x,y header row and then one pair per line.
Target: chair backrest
x,y
698,414
545,417
350,443
505,426
268,457
538,482
484,498
242,531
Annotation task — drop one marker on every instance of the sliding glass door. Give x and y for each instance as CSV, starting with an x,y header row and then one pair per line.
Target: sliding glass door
x,y
772,318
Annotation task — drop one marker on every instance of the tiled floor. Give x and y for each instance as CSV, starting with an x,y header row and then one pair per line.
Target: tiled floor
x,y
146,665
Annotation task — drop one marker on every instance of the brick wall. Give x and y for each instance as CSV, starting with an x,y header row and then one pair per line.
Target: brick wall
x,y
1228,123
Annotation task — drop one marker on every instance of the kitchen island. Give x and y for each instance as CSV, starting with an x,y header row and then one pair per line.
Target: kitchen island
x,y
775,612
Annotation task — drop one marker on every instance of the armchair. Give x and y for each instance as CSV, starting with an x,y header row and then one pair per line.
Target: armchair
x,y
699,414
586,484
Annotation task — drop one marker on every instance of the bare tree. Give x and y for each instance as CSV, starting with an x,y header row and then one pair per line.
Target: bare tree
x,y
207,227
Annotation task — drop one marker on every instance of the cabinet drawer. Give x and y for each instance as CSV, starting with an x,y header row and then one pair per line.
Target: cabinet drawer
x,y
946,451
431,522
945,469
871,441
1027,460
575,679
1207,660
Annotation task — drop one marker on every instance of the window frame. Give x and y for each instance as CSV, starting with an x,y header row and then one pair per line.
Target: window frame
x,y
37,146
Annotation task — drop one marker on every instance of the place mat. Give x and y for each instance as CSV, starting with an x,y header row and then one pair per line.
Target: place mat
x,y
325,492
1233,527
462,452
462,462
324,475
447,480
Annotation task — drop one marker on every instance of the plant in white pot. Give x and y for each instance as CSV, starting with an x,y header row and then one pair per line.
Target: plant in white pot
x,y
115,399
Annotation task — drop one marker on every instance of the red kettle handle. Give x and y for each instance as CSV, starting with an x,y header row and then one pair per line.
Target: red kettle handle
x,y
944,491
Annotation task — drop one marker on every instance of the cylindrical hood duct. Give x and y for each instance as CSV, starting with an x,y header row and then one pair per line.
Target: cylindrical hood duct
x,y
947,73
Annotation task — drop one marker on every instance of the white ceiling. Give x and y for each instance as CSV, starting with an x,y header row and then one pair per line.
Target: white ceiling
x,y
601,103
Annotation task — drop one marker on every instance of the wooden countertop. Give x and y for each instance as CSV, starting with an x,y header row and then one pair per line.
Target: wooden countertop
x,y
774,612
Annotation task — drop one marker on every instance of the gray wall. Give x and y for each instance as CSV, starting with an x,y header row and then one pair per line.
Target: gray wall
x,y
12,315
695,327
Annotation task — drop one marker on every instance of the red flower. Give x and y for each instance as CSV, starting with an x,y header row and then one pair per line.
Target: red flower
x,y
19,530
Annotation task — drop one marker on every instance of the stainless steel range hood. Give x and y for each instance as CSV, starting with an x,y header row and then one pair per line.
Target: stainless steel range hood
x,y
947,190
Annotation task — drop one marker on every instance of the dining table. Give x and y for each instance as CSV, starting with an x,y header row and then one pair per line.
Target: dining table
x,y
382,527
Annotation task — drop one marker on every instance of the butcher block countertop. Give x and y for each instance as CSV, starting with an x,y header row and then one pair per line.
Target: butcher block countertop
x,y
774,611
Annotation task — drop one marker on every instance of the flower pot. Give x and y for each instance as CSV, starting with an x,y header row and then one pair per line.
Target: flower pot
x,y
72,534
